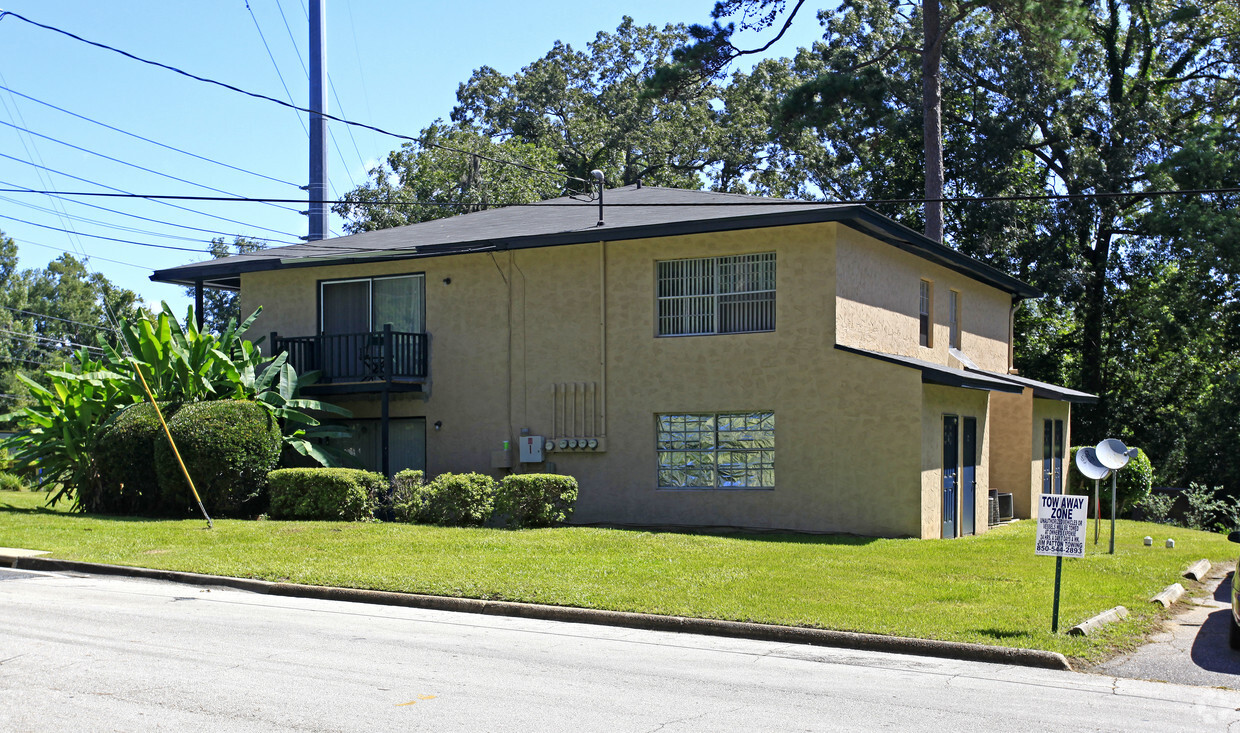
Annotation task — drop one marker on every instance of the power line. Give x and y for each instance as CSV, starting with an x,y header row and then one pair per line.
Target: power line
x,y
100,236
280,75
121,193
330,133
50,340
57,318
97,222
24,189
23,240
256,95
127,163
655,204
147,139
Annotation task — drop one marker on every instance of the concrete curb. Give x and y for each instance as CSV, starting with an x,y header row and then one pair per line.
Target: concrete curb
x,y
649,622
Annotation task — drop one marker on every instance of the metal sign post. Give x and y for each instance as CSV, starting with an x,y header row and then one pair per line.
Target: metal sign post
x,y
1061,533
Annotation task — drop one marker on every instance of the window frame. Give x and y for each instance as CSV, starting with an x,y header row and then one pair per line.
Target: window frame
x,y
953,319
370,304
925,313
758,459
718,297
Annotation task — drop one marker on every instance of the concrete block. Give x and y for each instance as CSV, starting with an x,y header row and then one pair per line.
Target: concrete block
x,y
1169,595
1089,626
1198,570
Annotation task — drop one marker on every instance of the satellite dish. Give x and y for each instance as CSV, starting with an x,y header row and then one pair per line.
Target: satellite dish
x,y
1087,463
1112,453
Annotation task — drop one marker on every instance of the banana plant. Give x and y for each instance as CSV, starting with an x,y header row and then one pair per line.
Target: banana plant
x,y
59,429
278,388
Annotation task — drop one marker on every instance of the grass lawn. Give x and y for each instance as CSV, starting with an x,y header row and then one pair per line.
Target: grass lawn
x,y
989,589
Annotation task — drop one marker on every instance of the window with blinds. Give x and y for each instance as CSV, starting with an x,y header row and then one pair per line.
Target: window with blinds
x,y
710,295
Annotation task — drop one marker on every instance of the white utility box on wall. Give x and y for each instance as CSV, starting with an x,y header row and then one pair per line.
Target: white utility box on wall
x,y
531,448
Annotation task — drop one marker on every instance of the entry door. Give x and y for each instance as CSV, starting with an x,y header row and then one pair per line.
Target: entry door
x,y
968,476
1048,467
951,462
1058,461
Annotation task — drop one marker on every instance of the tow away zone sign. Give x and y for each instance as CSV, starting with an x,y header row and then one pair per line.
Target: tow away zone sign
x,y
1061,525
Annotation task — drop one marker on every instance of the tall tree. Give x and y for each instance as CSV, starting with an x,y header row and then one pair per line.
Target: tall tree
x,y
457,170
1043,25
594,109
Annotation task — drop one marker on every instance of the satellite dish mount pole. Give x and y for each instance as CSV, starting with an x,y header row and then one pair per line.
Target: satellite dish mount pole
x,y
1097,511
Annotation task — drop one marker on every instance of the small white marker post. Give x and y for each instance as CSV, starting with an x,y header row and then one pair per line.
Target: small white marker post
x,y
1061,533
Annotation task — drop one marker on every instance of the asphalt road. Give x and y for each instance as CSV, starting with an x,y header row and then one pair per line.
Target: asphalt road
x,y
97,653
1192,647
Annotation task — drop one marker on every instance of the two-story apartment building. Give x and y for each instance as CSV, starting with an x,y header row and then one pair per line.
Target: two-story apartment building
x,y
692,358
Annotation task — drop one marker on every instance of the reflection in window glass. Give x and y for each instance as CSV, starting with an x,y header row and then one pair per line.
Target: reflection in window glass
x,y
716,450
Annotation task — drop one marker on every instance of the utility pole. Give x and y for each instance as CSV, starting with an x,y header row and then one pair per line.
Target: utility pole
x,y
318,125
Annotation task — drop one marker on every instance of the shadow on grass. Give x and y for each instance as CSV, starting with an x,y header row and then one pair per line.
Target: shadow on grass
x,y
7,507
1001,634
739,533
46,510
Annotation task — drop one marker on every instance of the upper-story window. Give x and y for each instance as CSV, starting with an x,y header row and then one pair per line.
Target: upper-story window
x,y
953,320
362,305
925,324
709,295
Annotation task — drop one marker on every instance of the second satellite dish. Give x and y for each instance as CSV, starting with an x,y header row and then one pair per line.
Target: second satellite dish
x,y
1112,453
1089,466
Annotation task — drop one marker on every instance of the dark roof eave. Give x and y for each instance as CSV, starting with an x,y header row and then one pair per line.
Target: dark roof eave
x,y
937,373
859,217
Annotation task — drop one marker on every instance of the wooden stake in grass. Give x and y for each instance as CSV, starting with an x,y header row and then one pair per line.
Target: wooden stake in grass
x,y
168,433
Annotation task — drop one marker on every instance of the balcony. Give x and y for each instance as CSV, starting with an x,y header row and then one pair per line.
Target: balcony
x,y
375,361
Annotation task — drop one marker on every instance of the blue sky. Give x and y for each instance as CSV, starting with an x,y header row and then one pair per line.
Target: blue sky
x,y
393,64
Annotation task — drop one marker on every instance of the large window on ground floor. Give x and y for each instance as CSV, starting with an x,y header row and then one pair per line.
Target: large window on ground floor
x,y
406,443
716,450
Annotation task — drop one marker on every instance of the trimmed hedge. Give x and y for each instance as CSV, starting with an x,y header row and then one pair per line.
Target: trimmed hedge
x,y
332,494
124,453
229,447
405,498
536,499
1132,483
456,500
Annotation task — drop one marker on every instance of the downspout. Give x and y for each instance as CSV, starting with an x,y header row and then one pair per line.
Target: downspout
x,y
602,340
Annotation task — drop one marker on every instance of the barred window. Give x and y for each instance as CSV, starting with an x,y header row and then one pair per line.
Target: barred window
x,y
717,450
710,295
953,320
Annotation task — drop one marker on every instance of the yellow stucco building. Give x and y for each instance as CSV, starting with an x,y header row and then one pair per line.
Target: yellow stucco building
x,y
692,358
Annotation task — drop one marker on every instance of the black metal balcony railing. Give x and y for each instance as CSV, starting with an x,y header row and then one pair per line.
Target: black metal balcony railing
x,y
385,355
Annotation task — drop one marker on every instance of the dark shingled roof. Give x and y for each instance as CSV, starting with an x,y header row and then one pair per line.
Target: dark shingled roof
x,y
629,213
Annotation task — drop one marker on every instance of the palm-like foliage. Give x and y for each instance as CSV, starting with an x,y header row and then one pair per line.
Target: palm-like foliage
x,y
180,363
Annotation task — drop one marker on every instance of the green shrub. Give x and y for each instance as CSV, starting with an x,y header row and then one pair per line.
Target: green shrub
x,y
406,497
456,500
1133,483
333,494
124,452
536,499
229,447
11,482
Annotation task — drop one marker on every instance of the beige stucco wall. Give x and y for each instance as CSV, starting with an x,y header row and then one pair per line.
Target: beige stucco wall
x,y
878,287
1011,450
1048,410
938,401
847,428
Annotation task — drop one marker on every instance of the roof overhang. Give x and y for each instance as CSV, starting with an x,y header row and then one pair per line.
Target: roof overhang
x,y
226,272
939,374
